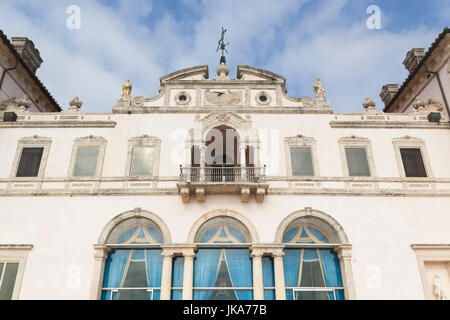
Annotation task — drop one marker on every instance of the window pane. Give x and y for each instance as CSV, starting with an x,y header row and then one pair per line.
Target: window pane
x,y
9,279
302,161
86,163
30,160
357,162
142,162
413,162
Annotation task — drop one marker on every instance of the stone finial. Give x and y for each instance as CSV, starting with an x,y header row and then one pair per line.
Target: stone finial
x,y
23,104
16,105
74,105
369,104
126,90
419,105
222,71
430,105
434,105
319,89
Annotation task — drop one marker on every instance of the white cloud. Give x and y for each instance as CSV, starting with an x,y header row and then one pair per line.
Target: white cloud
x,y
116,42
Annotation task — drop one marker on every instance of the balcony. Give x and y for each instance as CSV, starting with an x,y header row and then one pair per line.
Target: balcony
x,y
222,180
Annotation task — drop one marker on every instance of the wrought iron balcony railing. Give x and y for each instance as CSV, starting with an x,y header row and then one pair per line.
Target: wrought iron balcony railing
x,y
222,174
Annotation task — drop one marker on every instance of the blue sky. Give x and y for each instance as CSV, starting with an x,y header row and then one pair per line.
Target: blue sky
x,y
300,40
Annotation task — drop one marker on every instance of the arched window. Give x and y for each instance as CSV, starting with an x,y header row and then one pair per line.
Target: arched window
x,y
311,266
222,265
134,265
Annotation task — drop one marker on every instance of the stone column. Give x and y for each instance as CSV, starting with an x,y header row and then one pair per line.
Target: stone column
x,y
258,286
100,256
188,275
256,156
242,161
187,156
166,278
344,252
280,291
202,161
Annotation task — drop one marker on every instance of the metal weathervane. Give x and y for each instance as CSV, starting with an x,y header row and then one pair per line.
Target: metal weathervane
x,y
221,44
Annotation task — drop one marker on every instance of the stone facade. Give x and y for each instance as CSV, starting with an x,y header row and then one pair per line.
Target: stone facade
x,y
390,231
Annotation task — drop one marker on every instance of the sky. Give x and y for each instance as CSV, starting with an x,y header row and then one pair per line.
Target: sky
x,y
298,39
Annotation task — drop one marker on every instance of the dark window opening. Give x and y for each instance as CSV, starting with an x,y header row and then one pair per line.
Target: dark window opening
x,y
30,161
413,162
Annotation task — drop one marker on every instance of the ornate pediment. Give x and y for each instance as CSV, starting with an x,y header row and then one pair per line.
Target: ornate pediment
x,y
230,119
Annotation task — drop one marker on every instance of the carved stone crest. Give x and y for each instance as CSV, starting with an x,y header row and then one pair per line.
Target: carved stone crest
x,y
137,102
224,117
307,101
222,98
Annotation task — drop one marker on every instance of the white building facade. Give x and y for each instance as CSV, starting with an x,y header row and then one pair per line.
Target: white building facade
x,y
295,202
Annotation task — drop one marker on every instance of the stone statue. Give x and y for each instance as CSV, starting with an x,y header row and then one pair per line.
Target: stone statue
x,y
319,89
440,294
126,90
74,105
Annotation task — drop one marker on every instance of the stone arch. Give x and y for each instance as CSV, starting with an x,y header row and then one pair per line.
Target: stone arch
x,y
222,213
339,235
137,212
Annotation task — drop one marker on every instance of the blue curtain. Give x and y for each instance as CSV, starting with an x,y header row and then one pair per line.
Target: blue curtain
x,y
291,264
268,272
115,267
340,294
177,277
153,265
240,267
331,268
268,278
205,270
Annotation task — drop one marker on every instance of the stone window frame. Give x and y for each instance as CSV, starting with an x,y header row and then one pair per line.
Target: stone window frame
x,y
342,246
356,142
102,248
16,253
411,142
301,141
430,253
181,102
31,142
89,141
144,141
263,103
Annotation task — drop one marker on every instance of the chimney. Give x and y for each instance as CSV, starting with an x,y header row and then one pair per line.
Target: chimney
x,y
388,92
413,58
25,48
